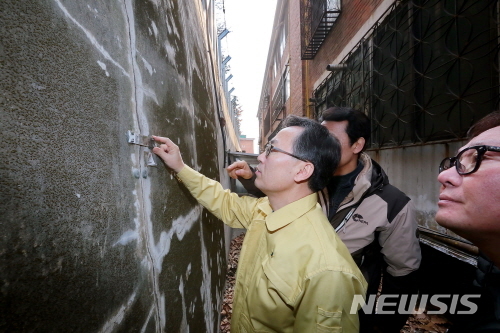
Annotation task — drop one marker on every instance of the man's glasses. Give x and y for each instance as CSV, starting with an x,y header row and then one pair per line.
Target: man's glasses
x,y
270,148
468,160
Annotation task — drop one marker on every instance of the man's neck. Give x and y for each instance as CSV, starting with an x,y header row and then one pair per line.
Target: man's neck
x,y
347,168
281,199
487,243
491,251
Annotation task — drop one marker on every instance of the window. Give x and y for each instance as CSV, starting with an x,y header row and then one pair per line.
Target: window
x,y
317,19
287,85
283,37
281,95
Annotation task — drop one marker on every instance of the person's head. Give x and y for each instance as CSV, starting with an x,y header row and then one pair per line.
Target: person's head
x,y
489,121
302,153
469,200
352,128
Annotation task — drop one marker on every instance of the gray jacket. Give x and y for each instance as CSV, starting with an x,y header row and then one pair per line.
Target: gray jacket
x,y
377,212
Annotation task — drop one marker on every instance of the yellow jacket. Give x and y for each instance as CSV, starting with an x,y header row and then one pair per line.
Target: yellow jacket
x,y
294,273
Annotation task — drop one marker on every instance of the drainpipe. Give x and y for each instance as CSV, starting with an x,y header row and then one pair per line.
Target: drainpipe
x,y
307,90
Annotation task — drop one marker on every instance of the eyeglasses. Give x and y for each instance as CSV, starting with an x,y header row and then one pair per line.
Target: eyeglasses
x,y
270,148
468,160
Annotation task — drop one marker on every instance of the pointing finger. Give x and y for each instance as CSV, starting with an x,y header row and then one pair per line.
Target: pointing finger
x,y
235,165
159,138
166,141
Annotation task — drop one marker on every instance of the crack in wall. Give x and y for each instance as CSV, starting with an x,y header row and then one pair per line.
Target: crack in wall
x,y
144,185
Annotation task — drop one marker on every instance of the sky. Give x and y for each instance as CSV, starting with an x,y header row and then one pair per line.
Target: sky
x,y
250,24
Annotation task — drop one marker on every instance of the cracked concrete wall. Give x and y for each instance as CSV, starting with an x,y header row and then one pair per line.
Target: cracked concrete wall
x,y
92,239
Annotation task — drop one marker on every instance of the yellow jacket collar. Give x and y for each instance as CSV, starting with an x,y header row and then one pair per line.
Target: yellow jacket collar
x,y
289,213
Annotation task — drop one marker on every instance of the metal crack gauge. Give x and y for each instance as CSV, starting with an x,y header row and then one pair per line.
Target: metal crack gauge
x,y
144,141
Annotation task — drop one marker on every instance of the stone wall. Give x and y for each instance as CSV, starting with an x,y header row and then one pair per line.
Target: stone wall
x,y
92,239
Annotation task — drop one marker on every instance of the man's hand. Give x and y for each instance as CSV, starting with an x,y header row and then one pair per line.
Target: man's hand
x,y
169,152
239,169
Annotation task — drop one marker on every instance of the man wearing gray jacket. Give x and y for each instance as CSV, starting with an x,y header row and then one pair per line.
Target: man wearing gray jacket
x,y
374,219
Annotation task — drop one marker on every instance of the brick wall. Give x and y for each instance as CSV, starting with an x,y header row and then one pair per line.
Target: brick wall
x,y
296,79
354,14
246,145
304,73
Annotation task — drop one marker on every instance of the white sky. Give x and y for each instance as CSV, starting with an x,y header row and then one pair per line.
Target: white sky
x,y
250,24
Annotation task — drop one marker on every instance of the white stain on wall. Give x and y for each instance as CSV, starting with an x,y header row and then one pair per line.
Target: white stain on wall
x,y
184,324
205,289
94,10
150,93
148,318
180,226
147,65
170,53
171,28
91,38
127,237
155,29
103,66
114,321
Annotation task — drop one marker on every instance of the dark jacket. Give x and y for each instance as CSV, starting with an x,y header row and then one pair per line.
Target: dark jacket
x,y
487,317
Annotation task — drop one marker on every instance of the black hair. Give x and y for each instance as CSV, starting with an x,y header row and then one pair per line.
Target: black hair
x,y
358,123
487,122
318,146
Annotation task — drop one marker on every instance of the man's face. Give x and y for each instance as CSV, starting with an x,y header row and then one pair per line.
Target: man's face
x,y
275,172
349,156
470,204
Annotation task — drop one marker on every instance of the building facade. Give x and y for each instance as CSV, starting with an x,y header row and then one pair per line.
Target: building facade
x,y
247,144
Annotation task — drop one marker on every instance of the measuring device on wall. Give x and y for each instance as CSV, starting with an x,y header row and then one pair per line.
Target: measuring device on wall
x,y
144,141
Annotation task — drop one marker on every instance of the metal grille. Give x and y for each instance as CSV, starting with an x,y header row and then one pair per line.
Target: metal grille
x,y
273,134
318,18
425,73
280,97
264,114
267,123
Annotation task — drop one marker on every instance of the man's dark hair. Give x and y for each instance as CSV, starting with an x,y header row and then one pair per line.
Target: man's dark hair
x,y
318,146
487,122
358,123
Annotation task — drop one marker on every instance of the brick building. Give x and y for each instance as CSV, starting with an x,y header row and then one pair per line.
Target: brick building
x,y
423,70
246,144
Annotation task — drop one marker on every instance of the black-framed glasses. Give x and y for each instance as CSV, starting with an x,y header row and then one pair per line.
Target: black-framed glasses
x,y
468,160
270,148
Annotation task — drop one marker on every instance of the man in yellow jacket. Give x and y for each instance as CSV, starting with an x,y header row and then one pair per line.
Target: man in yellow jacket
x,y
294,273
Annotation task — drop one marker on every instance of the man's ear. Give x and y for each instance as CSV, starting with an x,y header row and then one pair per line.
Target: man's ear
x,y
358,145
304,173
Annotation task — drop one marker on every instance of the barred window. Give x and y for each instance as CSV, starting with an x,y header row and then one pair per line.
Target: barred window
x,y
281,95
317,19
425,73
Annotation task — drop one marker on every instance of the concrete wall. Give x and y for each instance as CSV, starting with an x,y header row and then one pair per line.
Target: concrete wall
x,y
414,170
93,240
